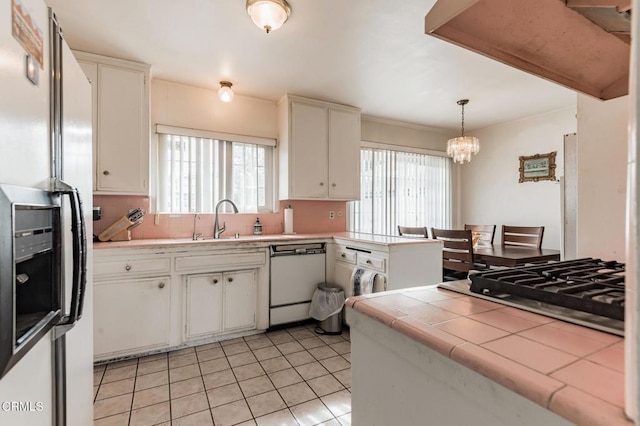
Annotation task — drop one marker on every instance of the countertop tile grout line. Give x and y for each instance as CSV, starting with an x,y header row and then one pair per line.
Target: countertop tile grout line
x,y
548,406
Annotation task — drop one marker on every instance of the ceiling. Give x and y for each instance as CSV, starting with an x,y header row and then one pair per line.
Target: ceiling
x,y
372,54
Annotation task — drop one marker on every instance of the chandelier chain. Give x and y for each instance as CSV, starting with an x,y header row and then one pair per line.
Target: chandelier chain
x,y
462,120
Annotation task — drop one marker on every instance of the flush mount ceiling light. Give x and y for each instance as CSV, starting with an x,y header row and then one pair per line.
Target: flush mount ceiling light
x,y
225,94
461,148
268,14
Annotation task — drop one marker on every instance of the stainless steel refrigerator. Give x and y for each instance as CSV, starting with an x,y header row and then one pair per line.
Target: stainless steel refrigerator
x,y
45,130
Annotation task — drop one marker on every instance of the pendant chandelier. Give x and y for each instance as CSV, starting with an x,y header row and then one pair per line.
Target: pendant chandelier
x,y
461,148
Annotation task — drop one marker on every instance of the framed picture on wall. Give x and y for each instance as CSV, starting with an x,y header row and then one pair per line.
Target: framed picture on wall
x,y
538,167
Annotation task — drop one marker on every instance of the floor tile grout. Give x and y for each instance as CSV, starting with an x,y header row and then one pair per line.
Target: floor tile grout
x,y
293,335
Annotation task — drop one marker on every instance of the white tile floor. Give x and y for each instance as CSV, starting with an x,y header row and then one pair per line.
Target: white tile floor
x,y
285,377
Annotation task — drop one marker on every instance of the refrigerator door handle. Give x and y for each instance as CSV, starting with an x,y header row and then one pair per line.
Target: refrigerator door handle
x,y
78,231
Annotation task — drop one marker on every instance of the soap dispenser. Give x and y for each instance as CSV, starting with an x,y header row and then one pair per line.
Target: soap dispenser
x,y
257,227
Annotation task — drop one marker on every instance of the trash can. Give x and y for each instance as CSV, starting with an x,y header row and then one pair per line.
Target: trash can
x,y
326,307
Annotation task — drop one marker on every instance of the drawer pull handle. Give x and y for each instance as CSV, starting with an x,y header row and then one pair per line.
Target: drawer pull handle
x,y
230,279
106,173
127,268
214,281
369,262
343,255
161,285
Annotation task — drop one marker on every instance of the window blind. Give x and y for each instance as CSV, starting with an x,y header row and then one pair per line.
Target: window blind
x,y
194,173
401,188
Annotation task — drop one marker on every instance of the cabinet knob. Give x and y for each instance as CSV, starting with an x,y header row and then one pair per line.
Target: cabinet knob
x,y
230,279
127,268
369,262
214,281
321,183
161,285
333,184
106,173
343,255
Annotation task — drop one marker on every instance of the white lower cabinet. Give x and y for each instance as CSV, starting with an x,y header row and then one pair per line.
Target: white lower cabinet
x,y
131,315
239,300
204,305
220,302
342,277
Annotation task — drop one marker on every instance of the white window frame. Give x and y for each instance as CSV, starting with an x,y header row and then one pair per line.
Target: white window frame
x,y
227,138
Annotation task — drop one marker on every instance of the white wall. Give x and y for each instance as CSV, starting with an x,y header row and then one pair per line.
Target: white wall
x,y
393,132
180,105
193,107
602,177
490,191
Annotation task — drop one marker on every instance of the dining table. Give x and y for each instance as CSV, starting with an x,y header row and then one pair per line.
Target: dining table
x,y
499,255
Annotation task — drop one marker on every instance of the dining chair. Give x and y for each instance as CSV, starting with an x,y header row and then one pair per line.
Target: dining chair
x,y
457,253
487,232
522,236
408,231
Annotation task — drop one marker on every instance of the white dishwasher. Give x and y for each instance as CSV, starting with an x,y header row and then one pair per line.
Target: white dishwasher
x,y
296,271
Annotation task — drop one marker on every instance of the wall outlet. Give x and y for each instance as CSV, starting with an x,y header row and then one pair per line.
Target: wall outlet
x,y
332,214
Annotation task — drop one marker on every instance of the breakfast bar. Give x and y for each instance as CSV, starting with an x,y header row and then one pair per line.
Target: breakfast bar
x,y
426,355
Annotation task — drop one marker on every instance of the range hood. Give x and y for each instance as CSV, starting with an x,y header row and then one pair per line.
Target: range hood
x,y
580,44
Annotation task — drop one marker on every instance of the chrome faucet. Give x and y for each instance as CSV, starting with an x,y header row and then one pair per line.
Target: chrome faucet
x,y
196,234
217,230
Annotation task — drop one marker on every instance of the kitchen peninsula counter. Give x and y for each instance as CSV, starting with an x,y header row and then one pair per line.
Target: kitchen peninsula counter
x,y
454,359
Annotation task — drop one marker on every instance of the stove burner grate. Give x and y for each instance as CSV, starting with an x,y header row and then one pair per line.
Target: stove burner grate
x,y
587,285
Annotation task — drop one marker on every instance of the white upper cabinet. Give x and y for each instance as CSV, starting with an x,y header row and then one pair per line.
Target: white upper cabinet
x,y
319,150
344,154
120,124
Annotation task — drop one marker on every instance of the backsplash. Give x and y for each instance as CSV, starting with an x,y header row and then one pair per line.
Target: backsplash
x,y
308,217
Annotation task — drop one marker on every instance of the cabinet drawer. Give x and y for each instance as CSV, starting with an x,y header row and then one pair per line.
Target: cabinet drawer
x,y
219,261
371,262
345,255
132,267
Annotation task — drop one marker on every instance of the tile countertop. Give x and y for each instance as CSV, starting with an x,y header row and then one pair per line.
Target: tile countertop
x,y
352,236
575,372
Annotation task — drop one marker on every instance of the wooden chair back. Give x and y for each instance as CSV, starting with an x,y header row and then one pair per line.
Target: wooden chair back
x,y
457,254
408,231
487,232
523,236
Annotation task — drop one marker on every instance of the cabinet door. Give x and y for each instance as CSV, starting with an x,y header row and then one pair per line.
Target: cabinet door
x,y
342,276
344,154
308,151
204,305
123,141
131,315
239,300
90,69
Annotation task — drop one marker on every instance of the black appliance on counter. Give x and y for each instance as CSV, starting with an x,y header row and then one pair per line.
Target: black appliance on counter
x,y
588,291
31,286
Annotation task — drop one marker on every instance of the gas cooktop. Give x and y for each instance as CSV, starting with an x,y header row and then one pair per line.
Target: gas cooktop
x,y
588,292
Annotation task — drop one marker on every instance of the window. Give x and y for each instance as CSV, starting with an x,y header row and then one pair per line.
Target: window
x,y
401,188
194,173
